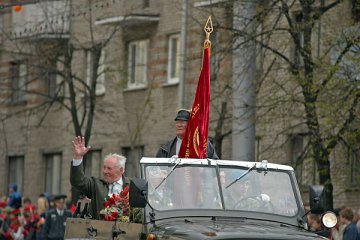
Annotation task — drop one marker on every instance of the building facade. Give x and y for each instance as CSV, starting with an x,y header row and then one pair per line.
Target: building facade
x,y
126,59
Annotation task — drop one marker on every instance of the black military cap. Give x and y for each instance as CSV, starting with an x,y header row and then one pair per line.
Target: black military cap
x,y
59,197
183,114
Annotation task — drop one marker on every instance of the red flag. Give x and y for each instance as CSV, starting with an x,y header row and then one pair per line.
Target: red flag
x,y
194,143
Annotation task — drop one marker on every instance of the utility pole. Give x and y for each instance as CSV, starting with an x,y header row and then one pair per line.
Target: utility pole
x,y
244,95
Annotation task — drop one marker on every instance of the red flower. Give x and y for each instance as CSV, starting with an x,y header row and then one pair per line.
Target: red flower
x,y
112,201
114,214
73,208
107,204
117,198
3,204
116,206
15,211
125,191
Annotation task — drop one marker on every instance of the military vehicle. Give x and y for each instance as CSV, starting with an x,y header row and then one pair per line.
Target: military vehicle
x,y
211,199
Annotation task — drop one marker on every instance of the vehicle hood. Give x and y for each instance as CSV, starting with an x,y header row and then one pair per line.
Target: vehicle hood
x,y
187,229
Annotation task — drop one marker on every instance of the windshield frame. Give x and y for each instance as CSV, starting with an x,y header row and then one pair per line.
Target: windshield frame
x,y
223,212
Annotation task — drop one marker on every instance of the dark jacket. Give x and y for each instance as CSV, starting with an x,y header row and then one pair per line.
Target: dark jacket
x,y
169,149
94,188
15,200
54,227
351,232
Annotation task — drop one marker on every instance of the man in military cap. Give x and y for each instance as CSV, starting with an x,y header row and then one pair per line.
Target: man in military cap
x,y
172,147
55,222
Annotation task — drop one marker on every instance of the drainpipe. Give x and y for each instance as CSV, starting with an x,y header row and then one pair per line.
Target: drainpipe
x,y
181,103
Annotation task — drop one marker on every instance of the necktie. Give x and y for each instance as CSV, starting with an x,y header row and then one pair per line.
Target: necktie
x,y
112,188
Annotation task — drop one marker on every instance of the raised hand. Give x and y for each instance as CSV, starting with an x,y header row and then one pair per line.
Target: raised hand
x,y
79,147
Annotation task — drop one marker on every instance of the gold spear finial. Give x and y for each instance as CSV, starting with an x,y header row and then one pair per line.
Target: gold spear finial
x,y
208,30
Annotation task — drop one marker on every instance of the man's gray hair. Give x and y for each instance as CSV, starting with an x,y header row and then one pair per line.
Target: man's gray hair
x,y
120,159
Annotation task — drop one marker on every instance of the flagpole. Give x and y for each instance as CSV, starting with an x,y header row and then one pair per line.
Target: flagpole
x,y
195,141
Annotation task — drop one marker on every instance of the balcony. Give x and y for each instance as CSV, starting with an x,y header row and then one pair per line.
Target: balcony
x,y
131,20
45,19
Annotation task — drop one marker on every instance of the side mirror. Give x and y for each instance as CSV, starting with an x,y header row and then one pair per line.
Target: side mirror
x,y
138,193
316,199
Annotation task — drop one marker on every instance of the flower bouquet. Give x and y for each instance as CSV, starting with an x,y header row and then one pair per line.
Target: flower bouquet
x,y
117,207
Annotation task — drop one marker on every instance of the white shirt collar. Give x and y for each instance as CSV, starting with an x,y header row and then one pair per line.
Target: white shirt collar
x,y
178,144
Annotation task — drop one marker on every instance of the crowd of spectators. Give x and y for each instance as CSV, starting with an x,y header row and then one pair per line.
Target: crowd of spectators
x,y
347,227
21,219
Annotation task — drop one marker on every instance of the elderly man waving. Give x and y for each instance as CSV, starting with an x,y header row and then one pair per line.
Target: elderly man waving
x,y
96,189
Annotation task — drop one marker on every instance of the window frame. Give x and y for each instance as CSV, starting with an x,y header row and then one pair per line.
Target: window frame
x,y
20,182
131,164
171,62
19,78
89,163
55,80
47,158
100,78
354,169
135,68
297,58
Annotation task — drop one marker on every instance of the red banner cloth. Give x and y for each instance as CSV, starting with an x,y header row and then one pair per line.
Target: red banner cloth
x,y
194,143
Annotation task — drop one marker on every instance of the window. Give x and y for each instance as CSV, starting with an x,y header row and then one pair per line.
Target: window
x,y
355,10
213,57
16,171
173,59
354,168
53,173
100,78
299,35
137,63
93,163
258,149
18,73
133,157
55,80
296,159
146,3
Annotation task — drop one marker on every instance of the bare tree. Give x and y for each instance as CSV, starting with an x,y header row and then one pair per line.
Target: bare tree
x,y
52,79
309,86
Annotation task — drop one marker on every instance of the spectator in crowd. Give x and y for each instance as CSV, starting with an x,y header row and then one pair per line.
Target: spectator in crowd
x,y
113,181
14,200
55,222
172,147
315,225
42,205
336,233
357,219
350,231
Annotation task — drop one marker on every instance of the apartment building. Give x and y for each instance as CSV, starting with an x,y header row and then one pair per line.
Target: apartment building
x,y
59,59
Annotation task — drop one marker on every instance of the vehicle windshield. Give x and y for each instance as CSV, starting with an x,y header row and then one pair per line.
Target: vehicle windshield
x,y
208,187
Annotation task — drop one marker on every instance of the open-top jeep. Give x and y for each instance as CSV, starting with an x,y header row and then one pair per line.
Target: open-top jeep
x,y
211,199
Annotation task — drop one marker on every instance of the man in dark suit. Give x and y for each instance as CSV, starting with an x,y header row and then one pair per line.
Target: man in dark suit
x,y
172,147
55,221
94,188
